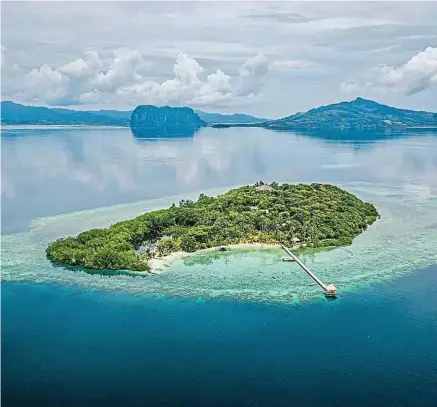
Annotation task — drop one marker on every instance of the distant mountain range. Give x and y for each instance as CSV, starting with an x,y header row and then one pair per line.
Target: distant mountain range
x,y
359,114
212,118
15,113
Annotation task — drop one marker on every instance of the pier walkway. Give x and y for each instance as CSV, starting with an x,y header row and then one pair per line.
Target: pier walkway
x,y
330,289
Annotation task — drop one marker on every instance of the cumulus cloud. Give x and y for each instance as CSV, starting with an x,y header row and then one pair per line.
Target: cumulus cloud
x,y
91,80
416,75
123,69
190,85
87,66
44,83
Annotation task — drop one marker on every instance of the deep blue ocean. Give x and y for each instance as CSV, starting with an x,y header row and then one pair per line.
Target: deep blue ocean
x,y
201,334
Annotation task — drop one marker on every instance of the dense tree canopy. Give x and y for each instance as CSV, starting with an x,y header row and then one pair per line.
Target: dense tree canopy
x,y
313,215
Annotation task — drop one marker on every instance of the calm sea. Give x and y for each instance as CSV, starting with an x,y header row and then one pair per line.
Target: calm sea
x,y
237,329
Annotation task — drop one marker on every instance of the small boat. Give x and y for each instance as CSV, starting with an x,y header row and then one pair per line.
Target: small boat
x,y
288,259
222,248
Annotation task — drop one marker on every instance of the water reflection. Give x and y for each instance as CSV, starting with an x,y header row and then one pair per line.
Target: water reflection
x,y
164,132
362,137
51,171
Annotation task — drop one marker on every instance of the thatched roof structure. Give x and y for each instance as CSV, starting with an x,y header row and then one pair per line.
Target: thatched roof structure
x,y
264,187
331,290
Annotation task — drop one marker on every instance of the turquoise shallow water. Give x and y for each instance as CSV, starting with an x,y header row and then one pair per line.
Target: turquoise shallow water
x,y
403,239
224,329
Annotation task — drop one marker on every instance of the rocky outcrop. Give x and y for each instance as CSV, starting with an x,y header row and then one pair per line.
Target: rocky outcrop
x,y
152,121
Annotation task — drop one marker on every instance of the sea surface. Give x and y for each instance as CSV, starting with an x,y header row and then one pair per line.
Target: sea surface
x,y
218,329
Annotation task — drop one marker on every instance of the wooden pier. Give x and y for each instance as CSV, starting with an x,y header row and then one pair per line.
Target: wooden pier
x,y
330,289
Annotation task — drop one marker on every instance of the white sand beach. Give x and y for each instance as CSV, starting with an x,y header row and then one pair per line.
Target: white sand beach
x,y
157,264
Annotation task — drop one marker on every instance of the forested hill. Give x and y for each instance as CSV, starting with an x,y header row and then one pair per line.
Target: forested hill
x,y
359,114
312,215
15,113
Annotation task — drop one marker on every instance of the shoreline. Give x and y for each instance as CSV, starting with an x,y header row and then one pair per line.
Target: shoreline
x,y
157,264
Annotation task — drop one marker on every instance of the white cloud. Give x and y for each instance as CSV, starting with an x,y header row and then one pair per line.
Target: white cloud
x,y
189,86
87,66
346,39
89,80
416,75
419,73
44,83
123,69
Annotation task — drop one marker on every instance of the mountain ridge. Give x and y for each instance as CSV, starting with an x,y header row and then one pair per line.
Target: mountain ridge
x,y
17,113
212,118
358,114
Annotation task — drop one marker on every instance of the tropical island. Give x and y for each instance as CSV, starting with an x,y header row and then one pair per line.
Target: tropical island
x,y
302,215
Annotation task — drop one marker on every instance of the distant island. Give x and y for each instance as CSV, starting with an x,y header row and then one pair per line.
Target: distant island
x,y
148,120
153,121
17,114
314,215
359,114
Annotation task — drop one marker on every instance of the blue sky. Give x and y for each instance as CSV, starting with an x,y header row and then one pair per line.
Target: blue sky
x,y
263,58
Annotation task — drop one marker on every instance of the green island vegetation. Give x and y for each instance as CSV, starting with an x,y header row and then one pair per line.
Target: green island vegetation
x,y
314,215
